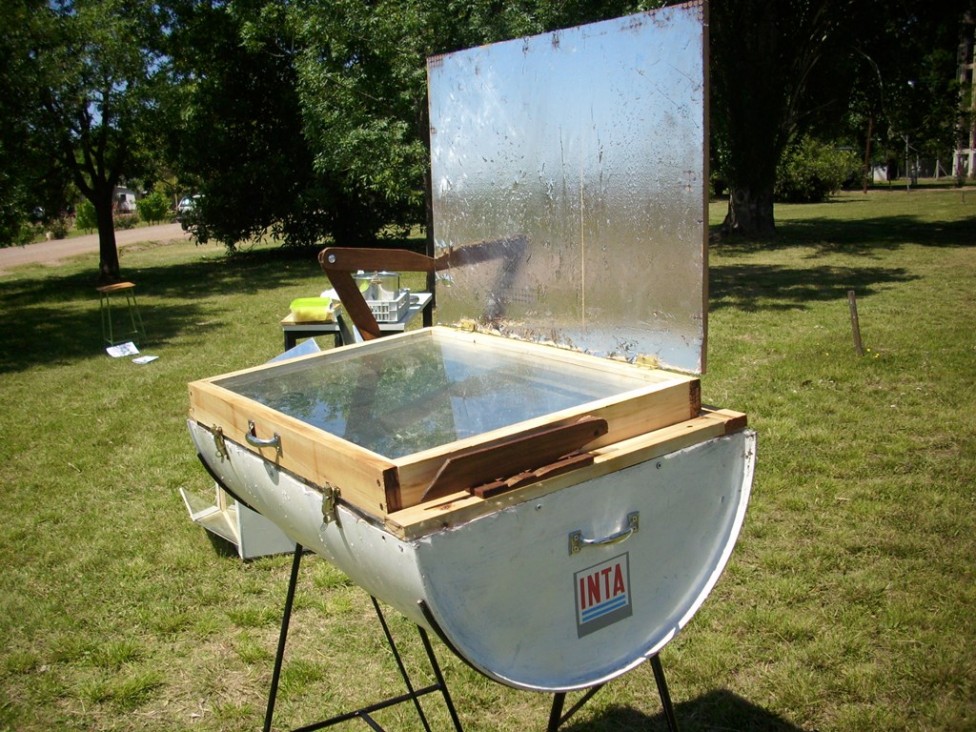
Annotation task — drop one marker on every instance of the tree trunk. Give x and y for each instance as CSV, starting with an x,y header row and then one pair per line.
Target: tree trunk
x,y
750,213
868,170
108,253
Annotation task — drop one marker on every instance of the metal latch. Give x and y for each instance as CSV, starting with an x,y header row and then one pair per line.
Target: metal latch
x,y
330,502
577,542
218,438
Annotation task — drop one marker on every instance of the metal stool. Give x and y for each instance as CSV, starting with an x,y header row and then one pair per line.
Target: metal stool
x,y
105,293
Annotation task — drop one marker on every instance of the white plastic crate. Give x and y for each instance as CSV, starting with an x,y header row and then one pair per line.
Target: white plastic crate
x,y
390,311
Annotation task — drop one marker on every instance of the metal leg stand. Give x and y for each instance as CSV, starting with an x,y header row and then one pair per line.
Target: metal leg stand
x,y
365,712
556,713
105,294
441,683
557,718
283,635
662,689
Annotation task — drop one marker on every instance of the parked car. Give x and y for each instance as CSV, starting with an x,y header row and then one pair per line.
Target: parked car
x,y
185,210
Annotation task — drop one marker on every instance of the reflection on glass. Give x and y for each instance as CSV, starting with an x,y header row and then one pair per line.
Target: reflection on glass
x,y
424,393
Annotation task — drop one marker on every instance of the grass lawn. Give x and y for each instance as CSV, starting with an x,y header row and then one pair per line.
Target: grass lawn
x,y
849,602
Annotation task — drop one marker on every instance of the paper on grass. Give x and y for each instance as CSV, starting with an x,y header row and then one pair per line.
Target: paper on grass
x,y
122,349
144,359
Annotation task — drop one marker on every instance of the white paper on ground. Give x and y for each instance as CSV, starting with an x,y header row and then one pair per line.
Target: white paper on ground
x,y
122,349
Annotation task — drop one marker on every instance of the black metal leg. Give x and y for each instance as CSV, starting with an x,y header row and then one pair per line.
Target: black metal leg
x,y
557,718
662,689
283,635
556,712
399,662
363,713
441,683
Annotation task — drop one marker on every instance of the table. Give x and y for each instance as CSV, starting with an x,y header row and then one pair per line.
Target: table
x,y
292,331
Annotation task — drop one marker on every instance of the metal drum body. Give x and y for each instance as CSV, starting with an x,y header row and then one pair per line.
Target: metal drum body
x,y
506,590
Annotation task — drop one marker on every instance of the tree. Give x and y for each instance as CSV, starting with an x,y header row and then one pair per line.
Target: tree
x,y
767,58
308,119
906,89
95,99
237,138
362,82
782,68
25,190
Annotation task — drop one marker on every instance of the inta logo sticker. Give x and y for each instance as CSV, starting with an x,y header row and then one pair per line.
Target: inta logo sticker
x,y
602,595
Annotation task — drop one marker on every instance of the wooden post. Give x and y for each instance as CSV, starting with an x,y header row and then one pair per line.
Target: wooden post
x,y
855,325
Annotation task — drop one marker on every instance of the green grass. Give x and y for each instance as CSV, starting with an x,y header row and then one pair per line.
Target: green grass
x,y
848,603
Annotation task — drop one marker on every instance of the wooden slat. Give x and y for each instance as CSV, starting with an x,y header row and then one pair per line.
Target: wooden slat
x,y
525,451
352,259
735,420
563,465
338,264
458,508
656,406
354,303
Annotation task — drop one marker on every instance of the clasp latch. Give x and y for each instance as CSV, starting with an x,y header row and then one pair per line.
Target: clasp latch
x,y
330,503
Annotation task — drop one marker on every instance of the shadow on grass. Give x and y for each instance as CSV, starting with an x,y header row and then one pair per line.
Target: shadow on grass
x,y
55,319
716,710
755,287
858,236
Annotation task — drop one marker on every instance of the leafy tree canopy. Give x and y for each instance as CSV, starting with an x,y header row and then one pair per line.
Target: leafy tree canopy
x,y
308,119
89,96
784,68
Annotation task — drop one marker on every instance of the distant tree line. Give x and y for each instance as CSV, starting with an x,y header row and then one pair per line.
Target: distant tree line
x,y
307,118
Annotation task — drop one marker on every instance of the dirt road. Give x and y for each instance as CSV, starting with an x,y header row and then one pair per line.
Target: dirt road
x,y
52,252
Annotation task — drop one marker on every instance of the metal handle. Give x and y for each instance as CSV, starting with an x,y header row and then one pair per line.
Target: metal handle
x,y
577,542
255,441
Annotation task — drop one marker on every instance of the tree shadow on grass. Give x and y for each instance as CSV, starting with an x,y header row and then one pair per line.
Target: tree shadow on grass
x,y
825,235
756,287
716,710
56,319
863,236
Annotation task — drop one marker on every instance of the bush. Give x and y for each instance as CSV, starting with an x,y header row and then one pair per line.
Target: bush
x,y
25,233
126,221
59,227
85,218
811,170
153,208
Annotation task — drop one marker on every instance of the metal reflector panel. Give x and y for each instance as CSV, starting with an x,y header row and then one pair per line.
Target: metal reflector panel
x,y
585,147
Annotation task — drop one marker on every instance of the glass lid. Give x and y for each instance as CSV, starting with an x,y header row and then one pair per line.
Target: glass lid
x,y
583,154
409,395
